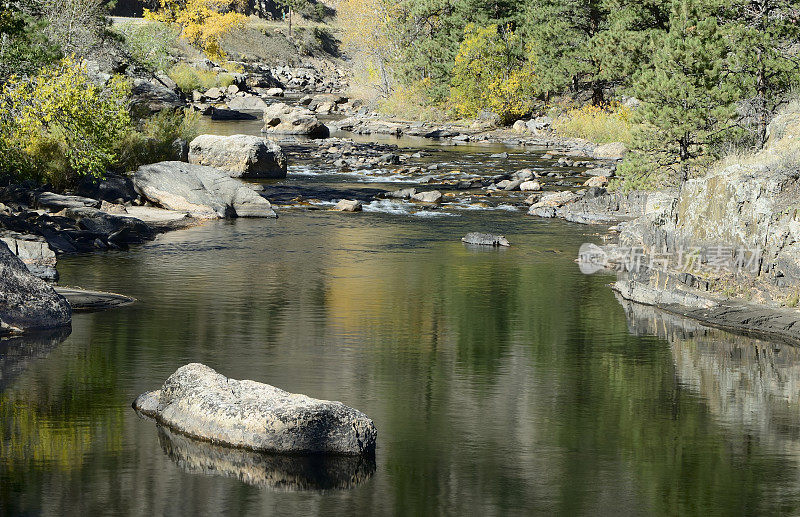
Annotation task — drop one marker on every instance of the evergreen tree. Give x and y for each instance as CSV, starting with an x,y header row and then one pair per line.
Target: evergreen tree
x,y
592,44
687,94
434,30
764,35
23,44
564,35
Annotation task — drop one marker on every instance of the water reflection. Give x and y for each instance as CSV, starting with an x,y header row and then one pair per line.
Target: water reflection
x,y
282,472
16,352
502,382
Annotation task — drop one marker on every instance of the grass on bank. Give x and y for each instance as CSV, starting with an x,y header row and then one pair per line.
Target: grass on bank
x,y
600,124
189,78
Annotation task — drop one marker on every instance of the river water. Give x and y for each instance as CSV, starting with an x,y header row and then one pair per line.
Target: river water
x,y
501,381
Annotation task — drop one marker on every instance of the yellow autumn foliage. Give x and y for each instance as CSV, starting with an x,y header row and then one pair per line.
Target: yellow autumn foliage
x,y
203,23
60,125
490,74
370,37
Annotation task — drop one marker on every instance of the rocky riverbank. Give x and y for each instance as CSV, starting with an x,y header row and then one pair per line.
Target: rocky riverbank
x,y
723,249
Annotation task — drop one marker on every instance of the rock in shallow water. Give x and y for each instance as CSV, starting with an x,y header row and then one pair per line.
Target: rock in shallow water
x,y
204,192
348,205
485,239
199,402
242,156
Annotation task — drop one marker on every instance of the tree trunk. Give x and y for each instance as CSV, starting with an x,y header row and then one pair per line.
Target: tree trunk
x,y
598,98
684,158
761,102
290,21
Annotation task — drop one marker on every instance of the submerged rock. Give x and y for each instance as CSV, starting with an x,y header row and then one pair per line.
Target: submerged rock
x,y
85,300
242,156
204,192
27,303
199,402
485,239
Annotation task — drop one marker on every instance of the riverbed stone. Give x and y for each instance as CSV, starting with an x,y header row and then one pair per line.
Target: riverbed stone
x,y
530,186
280,118
596,181
485,239
58,202
348,205
27,303
241,156
250,102
204,192
199,402
148,98
431,196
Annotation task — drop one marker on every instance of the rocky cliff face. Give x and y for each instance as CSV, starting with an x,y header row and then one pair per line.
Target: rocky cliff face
x,y
737,229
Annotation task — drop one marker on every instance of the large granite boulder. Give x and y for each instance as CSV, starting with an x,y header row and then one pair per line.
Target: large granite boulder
x,y
280,118
203,192
241,156
34,252
199,402
27,303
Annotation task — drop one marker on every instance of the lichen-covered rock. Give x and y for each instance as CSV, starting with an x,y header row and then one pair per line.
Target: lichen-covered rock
x,y
485,239
552,200
199,402
241,156
27,303
203,192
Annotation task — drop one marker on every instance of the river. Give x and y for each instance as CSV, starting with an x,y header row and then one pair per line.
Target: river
x,y
501,381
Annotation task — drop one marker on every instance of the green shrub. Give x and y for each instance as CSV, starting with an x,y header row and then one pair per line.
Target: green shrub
x,y
154,140
189,78
150,43
59,125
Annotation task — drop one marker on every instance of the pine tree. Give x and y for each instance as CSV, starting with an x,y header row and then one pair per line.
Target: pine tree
x,y
592,44
763,34
687,94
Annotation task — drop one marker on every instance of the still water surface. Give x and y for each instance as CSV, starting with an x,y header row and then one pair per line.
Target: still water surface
x,y
501,381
